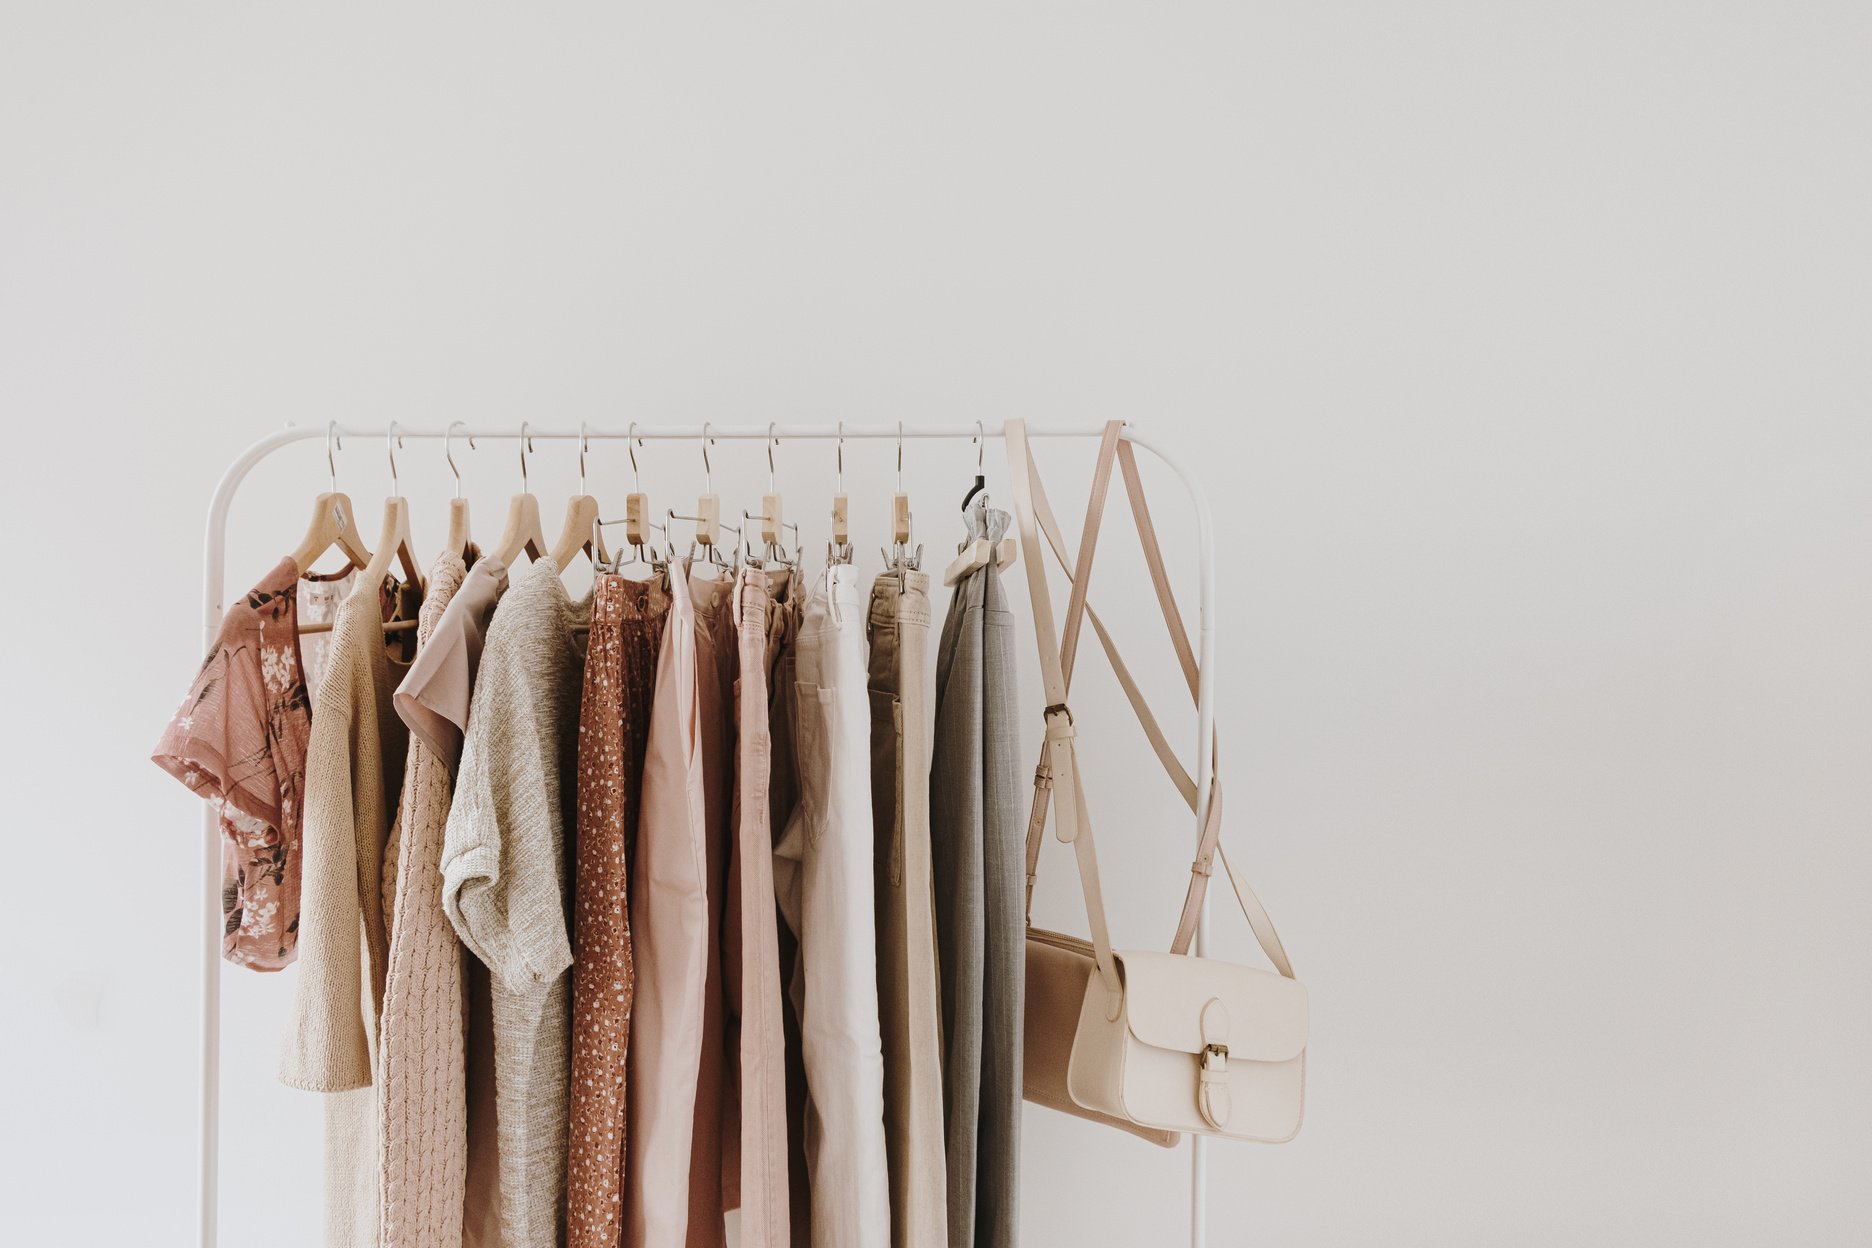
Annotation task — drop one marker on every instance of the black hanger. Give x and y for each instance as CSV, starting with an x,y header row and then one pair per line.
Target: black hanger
x,y
981,482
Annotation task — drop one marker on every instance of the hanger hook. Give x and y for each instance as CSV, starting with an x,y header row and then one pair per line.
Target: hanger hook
x,y
841,458
582,444
900,457
332,439
526,446
393,441
981,447
772,442
708,469
448,452
631,443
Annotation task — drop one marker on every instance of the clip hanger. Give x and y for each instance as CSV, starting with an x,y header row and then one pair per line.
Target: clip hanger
x,y
839,548
773,526
900,554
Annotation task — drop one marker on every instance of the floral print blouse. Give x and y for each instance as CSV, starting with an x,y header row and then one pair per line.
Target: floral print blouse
x,y
239,740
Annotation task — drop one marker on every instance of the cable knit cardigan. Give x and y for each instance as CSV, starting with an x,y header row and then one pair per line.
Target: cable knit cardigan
x,y
422,1094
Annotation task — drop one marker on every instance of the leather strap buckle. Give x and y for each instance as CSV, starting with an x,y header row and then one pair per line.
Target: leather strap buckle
x,y
1060,708
1212,1088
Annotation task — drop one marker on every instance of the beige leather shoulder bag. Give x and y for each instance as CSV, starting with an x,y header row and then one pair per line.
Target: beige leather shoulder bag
x,y
1153,1043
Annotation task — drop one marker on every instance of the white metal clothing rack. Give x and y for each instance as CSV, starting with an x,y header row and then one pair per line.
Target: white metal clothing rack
x,y
214,574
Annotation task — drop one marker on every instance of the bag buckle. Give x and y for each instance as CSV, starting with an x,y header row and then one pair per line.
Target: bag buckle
x,y
1212,1087
1055,730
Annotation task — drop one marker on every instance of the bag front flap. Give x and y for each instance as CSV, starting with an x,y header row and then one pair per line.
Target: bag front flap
x,y
1173,1001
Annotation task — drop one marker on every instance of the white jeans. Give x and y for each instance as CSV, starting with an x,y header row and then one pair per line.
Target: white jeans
x,y
823,879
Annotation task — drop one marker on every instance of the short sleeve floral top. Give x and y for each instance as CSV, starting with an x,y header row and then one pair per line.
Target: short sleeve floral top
x,y
239,740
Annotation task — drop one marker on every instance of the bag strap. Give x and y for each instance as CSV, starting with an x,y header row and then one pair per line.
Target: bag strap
x,y
1208,842
1062,759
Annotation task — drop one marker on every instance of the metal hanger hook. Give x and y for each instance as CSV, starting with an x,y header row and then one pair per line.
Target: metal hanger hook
x,y
631,443
393,442
772,442
332,440
708,469
900,457
841,458
526,447
582,444
981,447
448,452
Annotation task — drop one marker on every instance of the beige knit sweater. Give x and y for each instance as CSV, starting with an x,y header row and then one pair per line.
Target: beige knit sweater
x,y
354,765
504,881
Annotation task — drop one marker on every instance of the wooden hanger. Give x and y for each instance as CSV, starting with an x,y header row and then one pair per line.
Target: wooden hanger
x,y
577,535
979,554
394,546
459,539
394,543
334,522
580,531
523,532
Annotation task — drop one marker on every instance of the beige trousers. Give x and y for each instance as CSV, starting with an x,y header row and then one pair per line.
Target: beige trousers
x,y
750,940
823,878
909,1005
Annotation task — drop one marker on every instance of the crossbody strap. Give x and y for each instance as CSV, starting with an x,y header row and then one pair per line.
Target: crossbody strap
x,y
1208,843
1062,758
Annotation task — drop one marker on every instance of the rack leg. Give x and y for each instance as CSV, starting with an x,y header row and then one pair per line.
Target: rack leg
x,y
208,1122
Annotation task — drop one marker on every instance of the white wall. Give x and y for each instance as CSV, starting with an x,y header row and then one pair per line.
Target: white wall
x,y
1523,349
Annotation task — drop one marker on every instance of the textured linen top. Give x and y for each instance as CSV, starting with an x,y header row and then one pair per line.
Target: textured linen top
x,y
422,1094
354,767
504,880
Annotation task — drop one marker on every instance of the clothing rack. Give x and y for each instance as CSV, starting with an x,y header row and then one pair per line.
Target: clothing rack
x,y
214,575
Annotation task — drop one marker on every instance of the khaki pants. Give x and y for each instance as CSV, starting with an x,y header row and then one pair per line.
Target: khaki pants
x,y
908,1002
